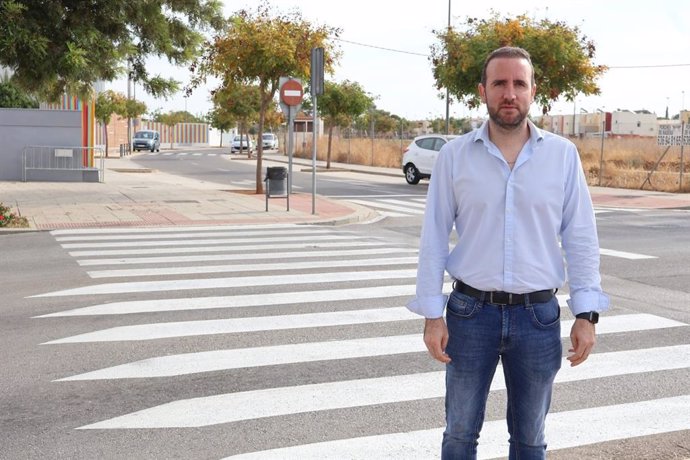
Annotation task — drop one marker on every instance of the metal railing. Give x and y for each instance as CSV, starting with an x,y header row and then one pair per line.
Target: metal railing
x,y
63,160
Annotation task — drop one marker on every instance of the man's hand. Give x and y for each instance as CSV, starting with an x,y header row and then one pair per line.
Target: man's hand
x,y
436,339
582,336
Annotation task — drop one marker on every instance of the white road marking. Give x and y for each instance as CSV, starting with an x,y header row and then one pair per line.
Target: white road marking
x,y
624,255
414,203
120,230
232,248
259,256
265,301
199,234
243,268
191,363
188,242
592,426
389,207
217,283
256,404
240,325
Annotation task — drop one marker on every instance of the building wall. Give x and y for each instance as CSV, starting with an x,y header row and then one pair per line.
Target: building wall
x,y
633,124
22,127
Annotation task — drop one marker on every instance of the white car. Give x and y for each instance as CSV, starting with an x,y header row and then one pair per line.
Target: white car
x,y
269,141
242,144
419,157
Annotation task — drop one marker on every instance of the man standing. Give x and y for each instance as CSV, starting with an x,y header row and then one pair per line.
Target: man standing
x,y
518,199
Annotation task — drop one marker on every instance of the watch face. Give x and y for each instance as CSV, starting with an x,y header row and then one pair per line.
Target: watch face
x,y
591,316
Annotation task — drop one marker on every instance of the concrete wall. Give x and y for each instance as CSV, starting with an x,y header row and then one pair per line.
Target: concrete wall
x,y
22,127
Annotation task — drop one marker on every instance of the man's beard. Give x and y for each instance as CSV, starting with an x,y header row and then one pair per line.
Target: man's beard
x,y
507,124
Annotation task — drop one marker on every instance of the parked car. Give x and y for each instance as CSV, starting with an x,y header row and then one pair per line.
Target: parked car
x,y
147,139
419,157
269,141
242,144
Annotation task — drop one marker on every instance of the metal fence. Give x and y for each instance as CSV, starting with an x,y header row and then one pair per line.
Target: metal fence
x,y
63,163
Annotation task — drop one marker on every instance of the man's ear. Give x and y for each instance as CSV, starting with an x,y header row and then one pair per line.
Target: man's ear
x,y
482,92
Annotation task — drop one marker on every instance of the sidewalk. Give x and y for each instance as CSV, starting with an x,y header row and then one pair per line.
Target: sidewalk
x,y
132,195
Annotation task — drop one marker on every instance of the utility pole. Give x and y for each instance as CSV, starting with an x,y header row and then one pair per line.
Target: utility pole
x,y
447,92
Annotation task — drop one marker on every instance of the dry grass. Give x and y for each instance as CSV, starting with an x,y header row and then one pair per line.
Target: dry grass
x,y
627,161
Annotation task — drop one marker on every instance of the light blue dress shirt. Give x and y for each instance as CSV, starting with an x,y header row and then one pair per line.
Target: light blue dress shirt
x,y
514,227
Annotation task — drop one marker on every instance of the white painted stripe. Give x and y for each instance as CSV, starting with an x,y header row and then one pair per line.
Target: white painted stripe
x,y
168,154
256,404
232,248
197,154
624,255
392,214
266,300
212,154
378,204
414,203
200,234
564,430
244,268
292,92
191,363
121,230
208,241
260,256
237,325
183,154
217,283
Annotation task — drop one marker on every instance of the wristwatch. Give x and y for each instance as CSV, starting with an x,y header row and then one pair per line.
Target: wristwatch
x,y
591,316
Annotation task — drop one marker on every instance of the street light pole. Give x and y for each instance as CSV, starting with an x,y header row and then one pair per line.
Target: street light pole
x,y
447,92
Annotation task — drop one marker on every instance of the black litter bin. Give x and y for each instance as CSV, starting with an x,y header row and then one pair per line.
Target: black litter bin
x,y
276,178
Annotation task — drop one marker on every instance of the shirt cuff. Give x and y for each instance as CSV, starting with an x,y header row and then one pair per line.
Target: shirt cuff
x,y
428,307
586,301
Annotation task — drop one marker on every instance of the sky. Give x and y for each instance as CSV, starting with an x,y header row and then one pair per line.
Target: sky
x,y
385,46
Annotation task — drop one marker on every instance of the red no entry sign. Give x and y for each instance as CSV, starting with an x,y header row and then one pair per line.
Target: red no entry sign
x,y
291,93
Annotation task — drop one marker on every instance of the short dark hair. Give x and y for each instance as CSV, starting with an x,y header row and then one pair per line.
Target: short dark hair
x,y
507,52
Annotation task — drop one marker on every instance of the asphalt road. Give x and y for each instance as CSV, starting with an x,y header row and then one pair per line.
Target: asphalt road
x,y
212,343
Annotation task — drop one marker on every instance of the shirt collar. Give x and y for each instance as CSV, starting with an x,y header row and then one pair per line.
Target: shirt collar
x,y
482,134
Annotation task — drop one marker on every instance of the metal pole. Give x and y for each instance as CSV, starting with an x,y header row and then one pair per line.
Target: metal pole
x,y
682,144
447,92
290,146
601,158
129,120
372,137
313,160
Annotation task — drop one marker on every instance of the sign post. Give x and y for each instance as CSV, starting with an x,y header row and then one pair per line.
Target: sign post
x,y
291,93
317,87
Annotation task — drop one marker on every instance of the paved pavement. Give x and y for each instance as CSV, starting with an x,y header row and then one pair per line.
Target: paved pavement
x,y
135,196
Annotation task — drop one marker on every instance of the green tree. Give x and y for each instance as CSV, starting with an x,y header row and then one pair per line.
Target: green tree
x,y
339,105
257,49
109,103
61,45
561,55
12,96
171,119
240,102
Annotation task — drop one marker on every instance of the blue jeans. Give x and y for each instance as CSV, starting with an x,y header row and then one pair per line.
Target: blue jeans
x,y
527,339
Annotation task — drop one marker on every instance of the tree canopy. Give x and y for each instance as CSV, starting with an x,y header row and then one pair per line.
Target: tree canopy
x,y
62,45
258,48
561,55
339,105
12,96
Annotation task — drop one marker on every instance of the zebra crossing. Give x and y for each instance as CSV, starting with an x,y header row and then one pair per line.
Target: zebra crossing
x,y
330,304
413,205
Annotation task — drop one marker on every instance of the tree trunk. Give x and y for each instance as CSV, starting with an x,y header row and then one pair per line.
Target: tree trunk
x,y
105,136
260,145
328,155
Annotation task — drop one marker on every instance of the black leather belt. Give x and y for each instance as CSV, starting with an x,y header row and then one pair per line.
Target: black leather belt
x,y
504,298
